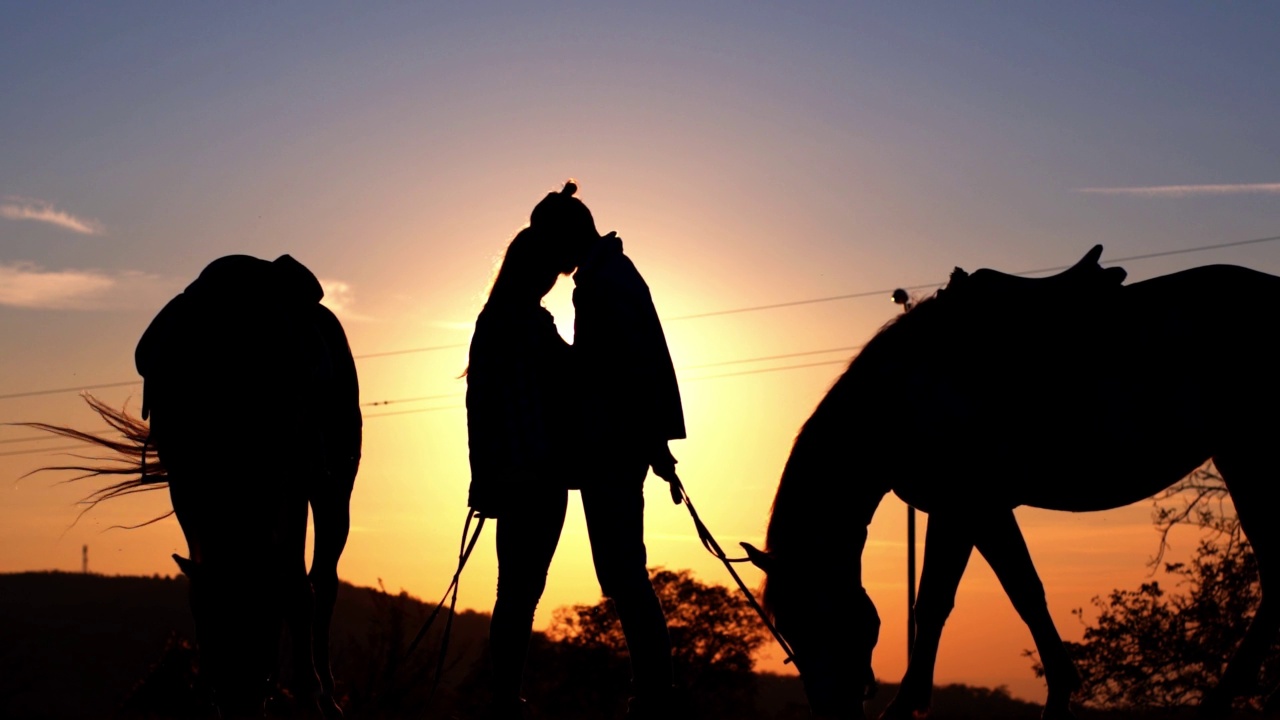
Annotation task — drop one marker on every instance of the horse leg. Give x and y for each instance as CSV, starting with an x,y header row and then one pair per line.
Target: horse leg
x,y
1245,482
295,595
947,548
1000,541
331,508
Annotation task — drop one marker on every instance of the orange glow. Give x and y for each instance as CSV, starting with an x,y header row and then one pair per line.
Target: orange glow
x,y
768,157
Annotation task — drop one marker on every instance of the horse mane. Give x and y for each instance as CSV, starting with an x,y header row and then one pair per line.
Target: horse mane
x,y
131,456
803,520
829,421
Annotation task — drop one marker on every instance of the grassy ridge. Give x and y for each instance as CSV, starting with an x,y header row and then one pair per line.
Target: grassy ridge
x,y
89,646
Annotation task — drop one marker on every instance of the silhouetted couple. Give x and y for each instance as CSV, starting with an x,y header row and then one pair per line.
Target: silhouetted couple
x,y
545,417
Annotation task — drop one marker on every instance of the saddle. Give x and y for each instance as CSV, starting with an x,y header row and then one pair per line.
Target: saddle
x,y
996,326
1082,281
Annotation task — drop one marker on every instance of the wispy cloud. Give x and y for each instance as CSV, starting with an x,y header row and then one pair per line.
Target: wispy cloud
x,y
1177,191
17,208
339,297
27,286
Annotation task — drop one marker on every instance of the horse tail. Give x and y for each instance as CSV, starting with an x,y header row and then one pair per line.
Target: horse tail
x,y
130,455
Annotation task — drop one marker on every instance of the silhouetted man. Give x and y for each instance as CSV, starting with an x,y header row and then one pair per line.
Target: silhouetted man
x,y
628,407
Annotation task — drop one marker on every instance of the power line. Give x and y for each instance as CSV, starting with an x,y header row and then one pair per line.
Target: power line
x,y
410,350
463,407
1166,253
419,410
704,377
810,301
757,371
872,293
422,398
411,399
722,363
730,311
127,383
794,303
34,393
848,348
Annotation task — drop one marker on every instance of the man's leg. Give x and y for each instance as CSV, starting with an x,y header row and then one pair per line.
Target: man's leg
x,y
613,504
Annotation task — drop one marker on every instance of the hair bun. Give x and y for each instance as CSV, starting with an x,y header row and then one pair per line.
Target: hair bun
x,y
570,187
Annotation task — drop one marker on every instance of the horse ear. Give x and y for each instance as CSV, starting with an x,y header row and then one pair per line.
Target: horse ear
x,y
760,558
188,567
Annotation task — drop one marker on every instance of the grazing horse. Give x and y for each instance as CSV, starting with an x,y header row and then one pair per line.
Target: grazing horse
x,y
1073,393
252,397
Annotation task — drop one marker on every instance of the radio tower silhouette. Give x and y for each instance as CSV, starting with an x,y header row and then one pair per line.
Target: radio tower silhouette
x,y
84,560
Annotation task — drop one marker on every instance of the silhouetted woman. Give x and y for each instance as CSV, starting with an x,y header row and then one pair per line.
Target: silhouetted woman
x,y
516,382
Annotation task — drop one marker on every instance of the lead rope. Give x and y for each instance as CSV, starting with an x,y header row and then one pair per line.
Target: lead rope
x,y
450,593
680,495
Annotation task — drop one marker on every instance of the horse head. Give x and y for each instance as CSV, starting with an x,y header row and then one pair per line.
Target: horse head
x,y
829,491
830,624
831,632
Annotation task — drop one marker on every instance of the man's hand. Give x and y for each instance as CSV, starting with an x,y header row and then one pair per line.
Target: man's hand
x,y
664,466
663,462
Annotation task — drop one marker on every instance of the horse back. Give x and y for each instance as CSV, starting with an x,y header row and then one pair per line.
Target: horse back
x,y
1169,377
1126,392
1215,319
243,354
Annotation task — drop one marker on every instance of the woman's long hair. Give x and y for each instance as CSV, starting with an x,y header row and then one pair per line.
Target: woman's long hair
x,y
528,270
527,273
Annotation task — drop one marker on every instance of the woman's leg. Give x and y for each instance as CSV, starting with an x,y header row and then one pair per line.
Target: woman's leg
x,y
526,542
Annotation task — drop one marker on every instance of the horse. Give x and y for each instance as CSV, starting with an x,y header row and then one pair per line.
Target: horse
x,y
250,416
1074,392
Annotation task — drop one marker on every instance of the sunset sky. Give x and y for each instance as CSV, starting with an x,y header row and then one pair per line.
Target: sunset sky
x,y
749,155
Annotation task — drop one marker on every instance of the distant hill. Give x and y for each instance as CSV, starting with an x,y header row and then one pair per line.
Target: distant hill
x,y
90,646
75,645
82,646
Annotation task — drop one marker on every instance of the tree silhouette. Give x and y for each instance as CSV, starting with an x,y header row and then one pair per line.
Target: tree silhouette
x,y
714,636
1158,648
713,629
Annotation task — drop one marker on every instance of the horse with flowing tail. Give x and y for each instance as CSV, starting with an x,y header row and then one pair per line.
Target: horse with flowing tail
x,y
252,398
1074,392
